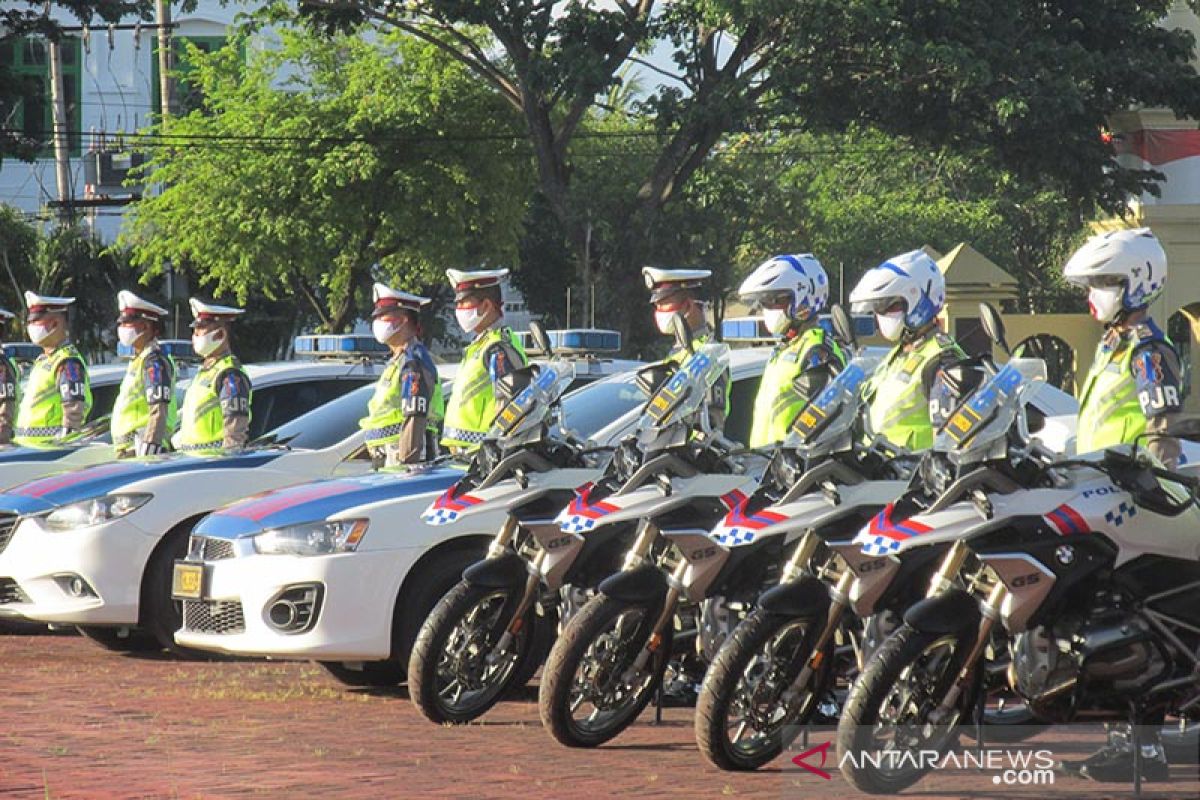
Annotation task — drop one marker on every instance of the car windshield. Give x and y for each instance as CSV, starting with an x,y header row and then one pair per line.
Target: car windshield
x,y
590,408
325,425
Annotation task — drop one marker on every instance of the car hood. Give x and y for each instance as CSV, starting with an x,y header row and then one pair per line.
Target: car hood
x,y
15,455
318,500
101,479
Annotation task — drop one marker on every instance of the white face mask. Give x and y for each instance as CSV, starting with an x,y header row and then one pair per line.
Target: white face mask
x,y
127,335
776,320
1105,302
384,329
468,318
662,319
206,343
891,325
38,332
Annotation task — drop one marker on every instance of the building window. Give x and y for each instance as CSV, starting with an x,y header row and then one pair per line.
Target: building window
x,y
188,97
32,113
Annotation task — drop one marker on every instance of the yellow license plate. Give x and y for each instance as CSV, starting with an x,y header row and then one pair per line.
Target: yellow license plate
x,y
187,582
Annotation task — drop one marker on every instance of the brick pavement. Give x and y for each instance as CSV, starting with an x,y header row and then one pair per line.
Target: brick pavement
x,y
79,722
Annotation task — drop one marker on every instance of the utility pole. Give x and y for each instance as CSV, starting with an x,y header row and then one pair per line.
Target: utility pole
x,y
62,157
166,61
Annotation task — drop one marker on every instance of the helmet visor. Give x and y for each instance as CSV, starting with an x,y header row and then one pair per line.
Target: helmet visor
x,y
880,305
1098,281
776,299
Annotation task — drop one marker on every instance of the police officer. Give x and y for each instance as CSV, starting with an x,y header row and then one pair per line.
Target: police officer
x,y
494,353
57,396
216,408
680,291
407,406
792,291
905,293
145,413
1134,386
10,388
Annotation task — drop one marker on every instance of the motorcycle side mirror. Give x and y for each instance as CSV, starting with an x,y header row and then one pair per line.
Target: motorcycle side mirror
x,y
843,326
541,340
993,326
683,332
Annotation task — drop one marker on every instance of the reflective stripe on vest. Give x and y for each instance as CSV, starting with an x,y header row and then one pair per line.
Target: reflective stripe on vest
x,y
385,416
777,402
202,423
40,417
131,412
899,410
472,405
1109,412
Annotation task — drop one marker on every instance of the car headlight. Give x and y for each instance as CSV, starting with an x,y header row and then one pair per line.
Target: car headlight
x,y
94,511
312,538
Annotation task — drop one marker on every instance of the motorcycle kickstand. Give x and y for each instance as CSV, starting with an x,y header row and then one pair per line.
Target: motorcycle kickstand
x,y
977,713
1135,742
658,704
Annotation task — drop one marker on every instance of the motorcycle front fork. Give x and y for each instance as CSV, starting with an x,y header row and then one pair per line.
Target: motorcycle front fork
x,y
497,548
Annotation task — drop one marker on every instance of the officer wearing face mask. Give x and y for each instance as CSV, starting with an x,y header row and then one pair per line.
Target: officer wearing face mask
x,y
1134,386
407,406
57,395
494,353
10,388
905,293
216,407
792,291
145,413
679,291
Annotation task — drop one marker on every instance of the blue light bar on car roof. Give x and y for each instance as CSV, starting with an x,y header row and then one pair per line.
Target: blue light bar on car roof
x,y
176,348
592,340
338,345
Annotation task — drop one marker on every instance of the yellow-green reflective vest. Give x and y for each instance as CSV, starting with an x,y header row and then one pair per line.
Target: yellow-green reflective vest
x,y
201,420
1109,412
40,417
131,412
385,414
899,409
473,404
777,402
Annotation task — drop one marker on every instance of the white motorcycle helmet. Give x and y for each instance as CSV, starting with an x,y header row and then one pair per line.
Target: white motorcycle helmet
x,y
790,289
905,293
1123,271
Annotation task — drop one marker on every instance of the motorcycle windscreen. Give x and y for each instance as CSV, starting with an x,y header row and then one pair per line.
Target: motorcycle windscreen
x,y
835,408
986,416
687,390
533,403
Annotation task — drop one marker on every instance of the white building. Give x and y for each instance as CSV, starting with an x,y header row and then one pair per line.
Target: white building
x,y
110,81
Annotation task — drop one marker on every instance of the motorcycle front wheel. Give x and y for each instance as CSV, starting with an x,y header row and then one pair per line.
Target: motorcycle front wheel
x,y
590,691
888,714
742,714
455,673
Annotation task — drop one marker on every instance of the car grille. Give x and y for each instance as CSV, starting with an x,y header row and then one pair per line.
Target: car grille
x,y
213,616
206,549
10,592
8,524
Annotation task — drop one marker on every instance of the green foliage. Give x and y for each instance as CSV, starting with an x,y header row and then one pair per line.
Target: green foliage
x,y
353,184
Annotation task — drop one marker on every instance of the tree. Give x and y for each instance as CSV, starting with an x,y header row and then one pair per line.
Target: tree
x,y
364,164
1026,85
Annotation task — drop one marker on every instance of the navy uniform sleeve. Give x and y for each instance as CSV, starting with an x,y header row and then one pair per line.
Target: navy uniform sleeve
x,y
416,391
1156,371
72,380
234,393
9,378
157,379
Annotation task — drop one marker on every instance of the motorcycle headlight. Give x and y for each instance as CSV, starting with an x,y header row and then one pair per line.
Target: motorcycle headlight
x,y
312,538
94,511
